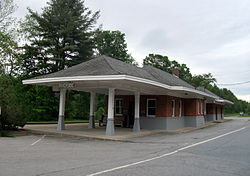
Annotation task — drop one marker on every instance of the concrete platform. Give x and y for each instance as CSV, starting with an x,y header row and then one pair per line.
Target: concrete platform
x,y
82,130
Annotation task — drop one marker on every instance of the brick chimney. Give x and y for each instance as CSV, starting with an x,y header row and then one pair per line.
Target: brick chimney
x,y
176,71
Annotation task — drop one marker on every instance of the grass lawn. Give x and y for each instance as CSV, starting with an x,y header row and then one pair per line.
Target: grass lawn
x,y
66,121
236,115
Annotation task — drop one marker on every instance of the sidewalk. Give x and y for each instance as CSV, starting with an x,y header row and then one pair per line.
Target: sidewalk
x,y
121,134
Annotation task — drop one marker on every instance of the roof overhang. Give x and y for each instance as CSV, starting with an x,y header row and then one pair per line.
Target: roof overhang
x,y
223,101
88,83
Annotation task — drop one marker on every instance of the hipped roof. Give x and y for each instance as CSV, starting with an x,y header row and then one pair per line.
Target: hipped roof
x,y
104,65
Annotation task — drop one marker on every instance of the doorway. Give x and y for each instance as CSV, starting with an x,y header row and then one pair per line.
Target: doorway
x,y
131,114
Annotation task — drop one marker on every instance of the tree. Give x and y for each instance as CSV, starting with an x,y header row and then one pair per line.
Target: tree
x,y
203,80
113,44
163,63
8,46
7,7
8,54
60,37
12,115
248,109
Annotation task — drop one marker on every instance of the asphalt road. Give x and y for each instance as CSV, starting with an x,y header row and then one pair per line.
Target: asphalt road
x,y
219,150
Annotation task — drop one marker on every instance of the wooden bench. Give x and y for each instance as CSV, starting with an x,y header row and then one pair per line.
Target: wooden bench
x,y
118,121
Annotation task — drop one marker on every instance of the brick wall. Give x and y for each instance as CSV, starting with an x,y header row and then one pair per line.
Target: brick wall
x,y
211,108
193,107
164,105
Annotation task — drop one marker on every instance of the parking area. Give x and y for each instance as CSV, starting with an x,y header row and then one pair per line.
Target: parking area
x,y
51,155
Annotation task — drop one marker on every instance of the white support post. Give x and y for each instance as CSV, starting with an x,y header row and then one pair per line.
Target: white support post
x,y
136,127
205,108
110,131
92,110
60,123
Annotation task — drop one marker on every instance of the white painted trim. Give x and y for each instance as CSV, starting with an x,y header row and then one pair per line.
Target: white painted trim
x,y
116,77
121,107
111,98
223,101
147,107
62,102
205,107
180,107
173,108
92,103
201,106
137,105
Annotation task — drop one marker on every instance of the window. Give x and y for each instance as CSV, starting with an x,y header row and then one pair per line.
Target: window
x,y
151,107
118,107
173,108
180,106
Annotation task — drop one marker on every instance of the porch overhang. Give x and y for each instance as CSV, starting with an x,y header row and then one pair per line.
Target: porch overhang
x,y
124,83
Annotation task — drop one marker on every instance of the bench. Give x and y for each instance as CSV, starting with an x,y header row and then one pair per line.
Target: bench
x,y
118,121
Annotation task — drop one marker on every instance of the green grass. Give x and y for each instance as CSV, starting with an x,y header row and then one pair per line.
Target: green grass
x,y
236,115
54,122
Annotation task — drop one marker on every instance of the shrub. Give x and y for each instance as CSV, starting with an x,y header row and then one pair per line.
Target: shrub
x,y
11,107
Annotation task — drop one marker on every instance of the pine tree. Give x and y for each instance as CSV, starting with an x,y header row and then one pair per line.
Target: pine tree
x,y
59,37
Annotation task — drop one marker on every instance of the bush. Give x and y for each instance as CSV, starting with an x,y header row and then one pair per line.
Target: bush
x,y
11,105
5,133
100,111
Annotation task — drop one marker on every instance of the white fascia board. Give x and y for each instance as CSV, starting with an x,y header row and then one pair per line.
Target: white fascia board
x,y
179,88
74,78
115,77
224,101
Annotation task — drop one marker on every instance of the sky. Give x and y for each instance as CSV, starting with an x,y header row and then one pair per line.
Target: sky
x,y
209,36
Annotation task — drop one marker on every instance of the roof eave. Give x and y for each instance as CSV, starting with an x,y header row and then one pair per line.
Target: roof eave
x,y
48,81
224,101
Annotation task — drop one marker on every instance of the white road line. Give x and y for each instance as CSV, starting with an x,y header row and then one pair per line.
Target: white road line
x,y
38,140
166,154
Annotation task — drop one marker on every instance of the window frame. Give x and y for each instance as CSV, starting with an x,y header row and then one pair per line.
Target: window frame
x,y
121,106
149,99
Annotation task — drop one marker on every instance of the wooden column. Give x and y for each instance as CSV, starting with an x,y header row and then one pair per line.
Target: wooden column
x,y
136,127
60,123
92,110
110,131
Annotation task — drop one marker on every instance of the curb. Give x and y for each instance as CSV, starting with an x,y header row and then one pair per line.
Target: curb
x,y
183,130
39,132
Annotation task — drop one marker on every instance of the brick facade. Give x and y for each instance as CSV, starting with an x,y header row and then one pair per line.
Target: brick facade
x,y
212,108
164,103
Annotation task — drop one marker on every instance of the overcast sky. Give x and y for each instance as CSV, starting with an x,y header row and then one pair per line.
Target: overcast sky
x,y
208,35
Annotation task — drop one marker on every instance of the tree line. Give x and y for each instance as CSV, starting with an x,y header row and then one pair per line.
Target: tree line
x,y
64,34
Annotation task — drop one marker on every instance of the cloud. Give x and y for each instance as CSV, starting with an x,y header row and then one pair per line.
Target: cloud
x,y
244,97
35,5
207,35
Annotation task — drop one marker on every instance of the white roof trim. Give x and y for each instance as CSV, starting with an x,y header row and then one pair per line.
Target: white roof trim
x,y
115,77
224,101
